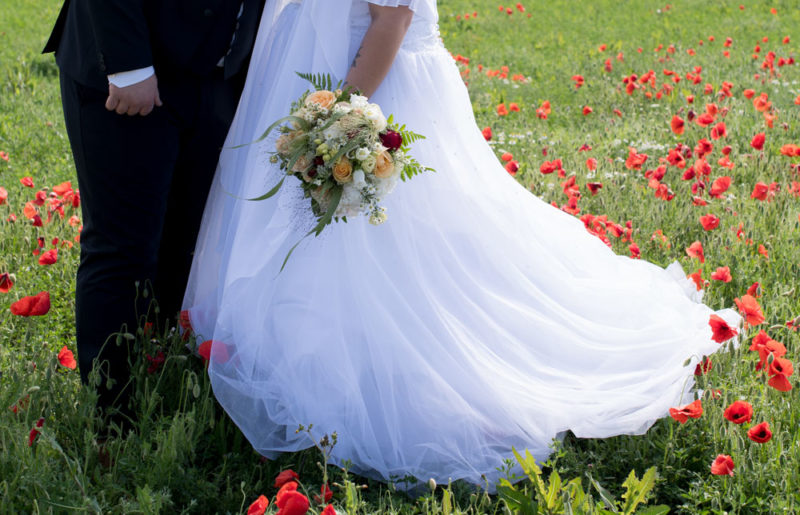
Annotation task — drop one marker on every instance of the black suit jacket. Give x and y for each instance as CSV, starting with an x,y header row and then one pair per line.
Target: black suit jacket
x,y
95,38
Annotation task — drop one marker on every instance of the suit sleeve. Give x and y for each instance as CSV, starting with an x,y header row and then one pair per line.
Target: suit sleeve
x,y
122,35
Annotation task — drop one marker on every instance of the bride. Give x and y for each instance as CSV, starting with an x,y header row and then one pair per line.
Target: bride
x,y
476,319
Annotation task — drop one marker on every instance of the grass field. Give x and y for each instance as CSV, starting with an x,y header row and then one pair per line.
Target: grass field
x,y
623,80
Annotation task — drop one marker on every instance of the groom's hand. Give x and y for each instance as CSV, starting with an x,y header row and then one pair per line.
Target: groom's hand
x,y
139,98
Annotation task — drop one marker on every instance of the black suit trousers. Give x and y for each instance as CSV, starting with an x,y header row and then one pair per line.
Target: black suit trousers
x,y
143,183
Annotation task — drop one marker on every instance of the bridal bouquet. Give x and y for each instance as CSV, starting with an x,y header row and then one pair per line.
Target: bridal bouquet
x,y
346,153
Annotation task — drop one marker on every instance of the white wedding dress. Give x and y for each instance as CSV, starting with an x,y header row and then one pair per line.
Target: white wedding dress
x,y
476,319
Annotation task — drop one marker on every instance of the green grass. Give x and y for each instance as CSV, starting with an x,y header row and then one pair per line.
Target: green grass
x,y
188,457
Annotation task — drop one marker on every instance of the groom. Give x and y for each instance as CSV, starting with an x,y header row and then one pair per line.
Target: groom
x,y
149,89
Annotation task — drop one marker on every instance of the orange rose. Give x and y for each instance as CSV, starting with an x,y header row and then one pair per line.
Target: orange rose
x,y
323,98
384,165
343,170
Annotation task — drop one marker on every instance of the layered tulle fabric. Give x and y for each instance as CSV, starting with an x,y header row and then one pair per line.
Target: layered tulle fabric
x,y
476,319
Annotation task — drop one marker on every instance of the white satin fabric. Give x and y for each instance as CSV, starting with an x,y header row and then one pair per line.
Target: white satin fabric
x,y
477,318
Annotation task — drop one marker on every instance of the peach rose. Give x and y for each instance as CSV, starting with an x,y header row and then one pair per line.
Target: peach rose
x,y
343,170
384,165
323,98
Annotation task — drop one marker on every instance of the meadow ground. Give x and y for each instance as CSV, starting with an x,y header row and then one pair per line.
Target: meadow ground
x,y
670,129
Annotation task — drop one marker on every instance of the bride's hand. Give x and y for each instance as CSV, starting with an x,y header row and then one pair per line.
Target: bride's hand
x,y
379,47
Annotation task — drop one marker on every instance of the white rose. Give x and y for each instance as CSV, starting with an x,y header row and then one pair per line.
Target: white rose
x,y
362,153
358,101
375,115
368,163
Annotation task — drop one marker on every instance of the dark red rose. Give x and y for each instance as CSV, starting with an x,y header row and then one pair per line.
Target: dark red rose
x,y
391,140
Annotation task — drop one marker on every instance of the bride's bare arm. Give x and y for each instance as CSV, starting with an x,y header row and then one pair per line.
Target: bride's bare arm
x,y
379,47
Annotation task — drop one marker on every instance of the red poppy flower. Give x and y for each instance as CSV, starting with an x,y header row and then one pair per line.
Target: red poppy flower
x,y
27,182
155,362
753,290
548,167
692,410
594,187
677,124
3,195
749,307
635,160
758,141
211,349
36,305
705,119
5,282
325,495
739,412
762,103
695,250
703,367
722,273
291,502
760,433
35,432
790,149
663,192
763,251
703,148
720,186
719,131
4,155
21,404
697,277
779,371
709,222
512,167
766,346
285,477
722,466
501,110
49,257
578,79
66,358
544,110
328,510
587,110
487,133
259,506
760,191
721,331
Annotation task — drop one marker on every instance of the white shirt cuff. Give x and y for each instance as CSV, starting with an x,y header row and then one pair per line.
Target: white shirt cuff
x,y
129,78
